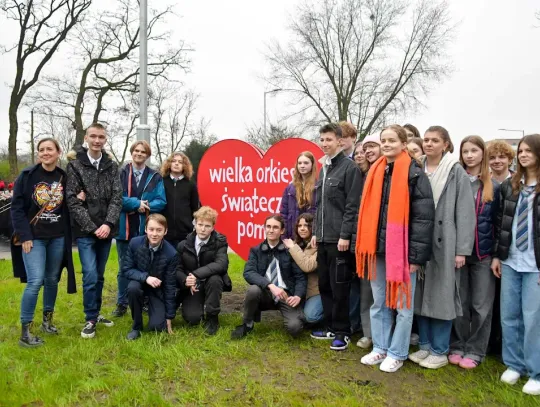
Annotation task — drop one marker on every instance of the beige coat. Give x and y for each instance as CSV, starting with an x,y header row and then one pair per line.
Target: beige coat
x,y
307,261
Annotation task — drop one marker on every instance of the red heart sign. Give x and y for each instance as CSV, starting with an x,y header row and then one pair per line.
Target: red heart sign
x,y
245,185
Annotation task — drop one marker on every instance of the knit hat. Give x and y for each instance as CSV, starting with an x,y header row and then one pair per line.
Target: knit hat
x,y
372,138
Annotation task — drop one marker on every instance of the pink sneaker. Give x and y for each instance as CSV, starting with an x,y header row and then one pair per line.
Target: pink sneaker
x,y
467,363
455,359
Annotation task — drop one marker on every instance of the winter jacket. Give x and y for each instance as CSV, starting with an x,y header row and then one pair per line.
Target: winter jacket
x,y
20,204
259,259
505,218
153,192
486,219
137,265
307,261
212,260
338,199
361,182
421,214
182,202
103,202
290,210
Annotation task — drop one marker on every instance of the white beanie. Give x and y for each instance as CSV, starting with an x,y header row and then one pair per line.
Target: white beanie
x,y
372,138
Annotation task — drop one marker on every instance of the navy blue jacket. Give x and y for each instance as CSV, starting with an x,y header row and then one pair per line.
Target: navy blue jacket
x,y
486,219
137,266
20,205
259,259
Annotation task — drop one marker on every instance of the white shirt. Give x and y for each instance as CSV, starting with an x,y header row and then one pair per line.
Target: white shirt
x,y
198,244
93,160
177,179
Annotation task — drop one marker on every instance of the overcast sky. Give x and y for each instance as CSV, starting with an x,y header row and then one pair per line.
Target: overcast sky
x,y
496,83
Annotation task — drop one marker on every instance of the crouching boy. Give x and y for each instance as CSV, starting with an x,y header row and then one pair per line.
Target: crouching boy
x,y
149,266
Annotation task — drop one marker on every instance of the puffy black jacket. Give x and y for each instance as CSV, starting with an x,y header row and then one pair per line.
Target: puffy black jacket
x,y
212,260
486,218
137,266
505,217
103,202
338,198
259,259
421,214
361,181
182,201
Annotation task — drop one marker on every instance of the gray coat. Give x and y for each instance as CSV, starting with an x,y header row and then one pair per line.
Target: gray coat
x,y
437,295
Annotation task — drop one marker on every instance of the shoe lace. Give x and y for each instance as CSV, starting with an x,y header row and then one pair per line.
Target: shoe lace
x,y
88,325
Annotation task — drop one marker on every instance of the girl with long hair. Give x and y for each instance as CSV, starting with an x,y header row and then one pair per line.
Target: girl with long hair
x,y
437,301
41,224
299,195
470,334
305,256
517,243
415,147
360,157
395,224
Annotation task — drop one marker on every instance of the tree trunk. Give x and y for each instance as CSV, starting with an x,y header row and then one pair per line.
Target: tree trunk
x,y
79,129
12,143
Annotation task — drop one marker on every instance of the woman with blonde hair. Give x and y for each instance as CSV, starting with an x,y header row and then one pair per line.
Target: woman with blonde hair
x,y
299,196
182,197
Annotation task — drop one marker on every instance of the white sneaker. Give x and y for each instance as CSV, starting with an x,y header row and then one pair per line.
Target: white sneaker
x,y
532,387
419,356
390,365
415,338
364,343
372,358
510,376
434,361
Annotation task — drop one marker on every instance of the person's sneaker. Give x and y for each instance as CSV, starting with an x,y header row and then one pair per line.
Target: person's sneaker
x,y
240,331
341,342
390,365
133,334
468,363
415,338
323,335
373,358
418,356
364,342
532,387
434,361
104,321
455,359
120,311
211,325
89,330
510,376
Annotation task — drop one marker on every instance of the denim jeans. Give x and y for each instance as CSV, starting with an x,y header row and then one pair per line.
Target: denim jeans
x,y
387,338
121,249
94,253
313,310
42,266
434,334
520,317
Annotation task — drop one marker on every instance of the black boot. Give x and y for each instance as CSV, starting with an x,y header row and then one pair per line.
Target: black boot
x,y
27,340
47,325
211,324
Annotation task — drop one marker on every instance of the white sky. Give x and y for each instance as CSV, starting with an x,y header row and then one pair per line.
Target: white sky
x,y
496,83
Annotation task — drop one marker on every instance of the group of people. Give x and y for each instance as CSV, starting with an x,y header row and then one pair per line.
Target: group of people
x,y
394,238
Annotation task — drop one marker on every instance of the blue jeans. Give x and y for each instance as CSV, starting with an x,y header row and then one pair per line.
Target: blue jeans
x,y
434,334
520,318
121,249
313,310
94,253
42,266
387,339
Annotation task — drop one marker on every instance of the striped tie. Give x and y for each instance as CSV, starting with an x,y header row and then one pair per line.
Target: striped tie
x,y
273,271
522,235
137,174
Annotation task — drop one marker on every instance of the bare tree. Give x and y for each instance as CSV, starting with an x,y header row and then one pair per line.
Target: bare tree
x,y
43,26
350,59
276,132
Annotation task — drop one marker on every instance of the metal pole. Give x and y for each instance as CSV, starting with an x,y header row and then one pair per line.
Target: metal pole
x,y
143,129
265,115
32,145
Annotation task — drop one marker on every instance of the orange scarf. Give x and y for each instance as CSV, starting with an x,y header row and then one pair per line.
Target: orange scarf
x,y
398,287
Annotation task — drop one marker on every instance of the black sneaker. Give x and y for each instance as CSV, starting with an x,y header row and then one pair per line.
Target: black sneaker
x,y
104,321
133,334
120,311
211,325
240,331
341,342
89,330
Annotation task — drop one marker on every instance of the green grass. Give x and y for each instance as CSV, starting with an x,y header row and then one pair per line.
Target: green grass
x,y
267,368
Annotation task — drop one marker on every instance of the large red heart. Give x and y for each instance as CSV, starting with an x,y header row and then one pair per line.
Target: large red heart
x,y
245,185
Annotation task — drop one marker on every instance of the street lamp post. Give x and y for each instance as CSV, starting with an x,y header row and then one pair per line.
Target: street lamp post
x,y
521,131
270,91
143,129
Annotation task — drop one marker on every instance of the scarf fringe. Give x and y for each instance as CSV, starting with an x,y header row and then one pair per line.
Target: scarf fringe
x,y
398,294
367,261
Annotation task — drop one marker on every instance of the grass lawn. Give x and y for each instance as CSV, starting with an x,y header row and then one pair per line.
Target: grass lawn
x,y
267,368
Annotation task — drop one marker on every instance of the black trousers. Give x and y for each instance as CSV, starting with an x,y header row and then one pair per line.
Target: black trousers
x,y
207,298
335,276
136,292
